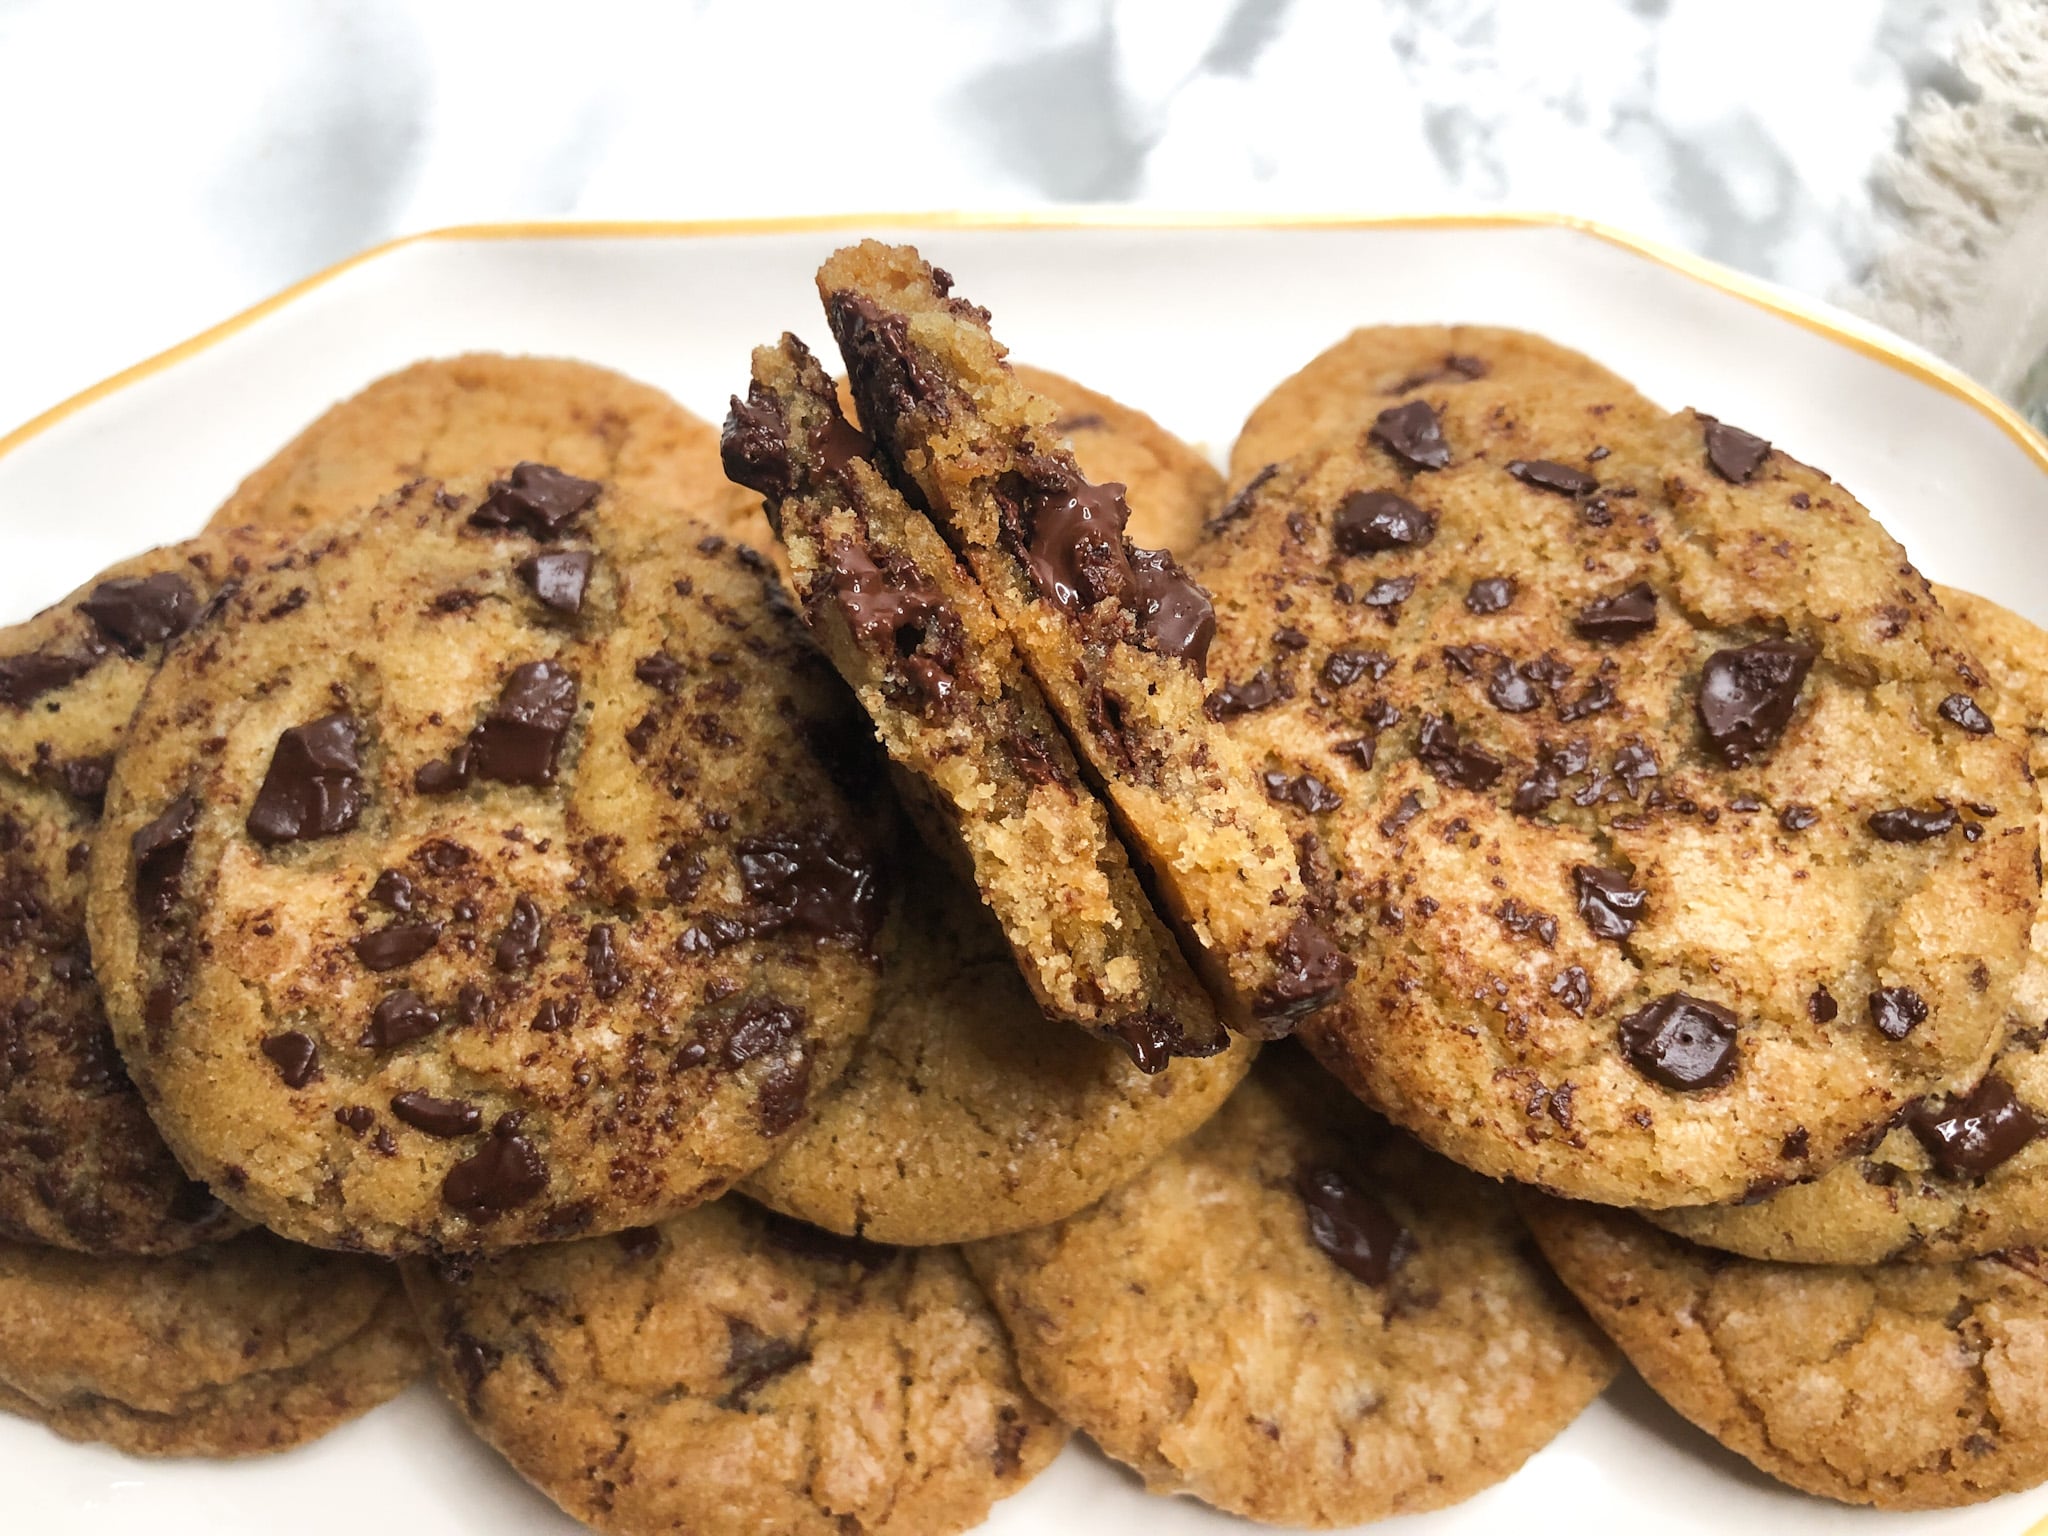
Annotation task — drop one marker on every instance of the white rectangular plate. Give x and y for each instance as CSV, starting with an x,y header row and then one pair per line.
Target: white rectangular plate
x,y
1193,324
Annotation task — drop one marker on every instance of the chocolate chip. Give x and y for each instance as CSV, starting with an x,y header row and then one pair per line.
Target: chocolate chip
x,y
1351,1227
536,498
314,785
1239,507
1959,709
1549,475
1610,905
1390,593
814,883
664,674
1572,989
1360,749
393,890
24,679
754,447
520,942
398,1019
159,851
1490,594
1371,521
1312,971
136,612
837,442
1407,810
1734,453
783,1093
1528,922
400,944
505,1174
601,960
558,577
1545,780
296,1057
447,1118
520,738
1681,1041
1258,691
1620,617
1970,1136
1797,818
1174,612
1896,1010
1152,1039
1821,1006
1413,434
1075,546
1747,695
1451,762
1304,791
445,775
1343,668
1910,824
1509,689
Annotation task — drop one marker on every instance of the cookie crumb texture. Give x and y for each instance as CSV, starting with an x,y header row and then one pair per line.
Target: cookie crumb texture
x,y
81,1167
474,875
1906,1386
966,1112
236,1349
1116,636
732,1372
1636,761
1299,1315
455,417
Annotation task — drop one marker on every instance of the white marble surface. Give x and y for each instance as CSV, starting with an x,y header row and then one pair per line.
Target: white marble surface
x,y
162,165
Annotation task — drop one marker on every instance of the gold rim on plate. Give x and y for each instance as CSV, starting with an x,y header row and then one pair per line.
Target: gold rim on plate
x,y
1869,340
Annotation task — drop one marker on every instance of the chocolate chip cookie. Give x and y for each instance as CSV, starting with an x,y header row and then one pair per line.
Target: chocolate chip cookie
x,y
481,413
964,1115
1170,487
732,1371
81,1167
1299,1315
987,773
1967,1172
477,874
1340,390
233,1349
1647,782
1115,636
1906,1386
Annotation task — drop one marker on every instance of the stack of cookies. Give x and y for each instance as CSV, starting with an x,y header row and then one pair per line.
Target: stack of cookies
x,y
766,962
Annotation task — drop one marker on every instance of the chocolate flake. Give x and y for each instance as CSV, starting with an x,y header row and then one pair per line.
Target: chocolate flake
x,y
1549,475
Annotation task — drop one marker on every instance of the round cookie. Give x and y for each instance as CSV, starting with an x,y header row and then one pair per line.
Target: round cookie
x,y
1171,487
1966,1174
476,875
732,1372
81,1167
1906,1386
966,1113
234,1349
451,418
1649,783
1338,392
1248,1322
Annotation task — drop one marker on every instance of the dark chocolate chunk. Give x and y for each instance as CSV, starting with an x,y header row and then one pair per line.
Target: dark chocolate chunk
x,y
1635,765
753,1359
1450,761
1153,1039
1413,434
887,614
1528,922
640,1242
837,442
1313,971
1747,695
136,612
754,447
558,577
314,786
1509,689
1959,709
537,499
1610,905
1681,1041
24,679
1304,791
296,1057
664,674
601,960
1233,699
1343,668
386,949
84,779
1490,594
1969,1136
447,1118
1407,810
1572,989
520,942
393,891
1734,453
1371,521
398,1019
444,775
814,883
1354,1229
1797,818
888,376
159,850
1075,547
1821,1006
1544,782
1910,824
1622,616
1174,613
520,739
1549,475
505,1174
1896,1010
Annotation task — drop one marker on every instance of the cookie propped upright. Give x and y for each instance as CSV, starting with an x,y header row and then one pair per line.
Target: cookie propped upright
x,y
1116,636
985,769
